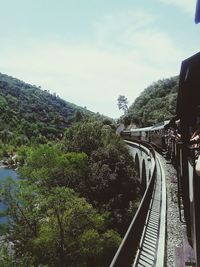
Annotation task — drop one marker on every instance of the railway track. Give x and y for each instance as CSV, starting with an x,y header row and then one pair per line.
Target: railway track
x,y
144,242
151,250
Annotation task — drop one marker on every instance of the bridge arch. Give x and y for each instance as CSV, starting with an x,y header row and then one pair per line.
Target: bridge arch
x,y
149,175
137,164
144,177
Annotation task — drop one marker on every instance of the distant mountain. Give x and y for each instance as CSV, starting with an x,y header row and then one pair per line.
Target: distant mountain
x,y
155,104
27,112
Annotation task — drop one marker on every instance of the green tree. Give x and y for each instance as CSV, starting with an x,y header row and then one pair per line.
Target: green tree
x,y
111,182
122,103
56,228
156,103
83,137
48,166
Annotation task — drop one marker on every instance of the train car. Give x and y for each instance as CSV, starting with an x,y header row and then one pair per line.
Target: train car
x,y
126,134
188,111
141,134
155,134
158,135
137,134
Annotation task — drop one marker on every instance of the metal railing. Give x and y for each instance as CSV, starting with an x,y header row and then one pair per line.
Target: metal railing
x,y
128,248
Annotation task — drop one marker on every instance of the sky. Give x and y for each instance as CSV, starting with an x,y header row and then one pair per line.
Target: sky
x,y
91,51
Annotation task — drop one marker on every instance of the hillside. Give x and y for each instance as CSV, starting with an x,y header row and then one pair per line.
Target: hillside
x,y
156,103
70,203
27,112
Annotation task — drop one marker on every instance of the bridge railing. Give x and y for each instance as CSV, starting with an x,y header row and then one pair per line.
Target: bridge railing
x,y
128,248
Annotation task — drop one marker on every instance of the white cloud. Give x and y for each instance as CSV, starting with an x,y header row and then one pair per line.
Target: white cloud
x,y
187,6
118,29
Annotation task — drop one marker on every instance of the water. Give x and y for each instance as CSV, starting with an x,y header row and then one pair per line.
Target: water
x,y
5,172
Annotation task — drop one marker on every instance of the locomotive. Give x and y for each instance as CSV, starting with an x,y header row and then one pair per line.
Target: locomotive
x,y
176,138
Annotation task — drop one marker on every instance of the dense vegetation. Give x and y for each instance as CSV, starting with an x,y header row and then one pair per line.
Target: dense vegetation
x,y
77,190
73,199
111,184
155,104
29,114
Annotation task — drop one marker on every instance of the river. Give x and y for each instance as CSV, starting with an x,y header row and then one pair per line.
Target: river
x,y
5,172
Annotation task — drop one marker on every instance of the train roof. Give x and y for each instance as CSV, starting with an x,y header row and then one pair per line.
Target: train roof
x,y
145,129
159,126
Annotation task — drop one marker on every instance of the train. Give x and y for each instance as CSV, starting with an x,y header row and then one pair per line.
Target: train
x,y
153,134
179,139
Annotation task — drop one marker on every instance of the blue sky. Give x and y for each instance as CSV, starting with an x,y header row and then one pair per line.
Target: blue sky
x,y
91,51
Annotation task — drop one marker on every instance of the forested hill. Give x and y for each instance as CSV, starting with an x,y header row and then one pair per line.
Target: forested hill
x,y
155,104
28,112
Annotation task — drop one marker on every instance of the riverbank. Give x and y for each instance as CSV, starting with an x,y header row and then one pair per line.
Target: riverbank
x,y
9,162
8,166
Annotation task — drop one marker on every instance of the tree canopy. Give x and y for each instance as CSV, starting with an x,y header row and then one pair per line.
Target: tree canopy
x,y
73,201
122,103
77,189
111,183
55,228
155,104
31,114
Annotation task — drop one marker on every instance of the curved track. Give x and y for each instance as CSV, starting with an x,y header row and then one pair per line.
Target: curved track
x,y
144,242
151,250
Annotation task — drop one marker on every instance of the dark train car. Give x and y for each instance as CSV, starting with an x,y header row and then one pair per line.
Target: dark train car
x,y
141,134
158,135
137,134
155,134
188,111
126,134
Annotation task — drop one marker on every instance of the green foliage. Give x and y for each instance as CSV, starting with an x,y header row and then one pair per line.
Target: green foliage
x,y
156,103
84,137
3,103
70,193
110,183
55,227
31,115
48,167
122,103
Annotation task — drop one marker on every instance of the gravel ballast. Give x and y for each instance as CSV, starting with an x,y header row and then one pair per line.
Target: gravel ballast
x,y
175,229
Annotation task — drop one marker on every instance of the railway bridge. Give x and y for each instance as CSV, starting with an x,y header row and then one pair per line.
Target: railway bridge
x,y
144,162
144,242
